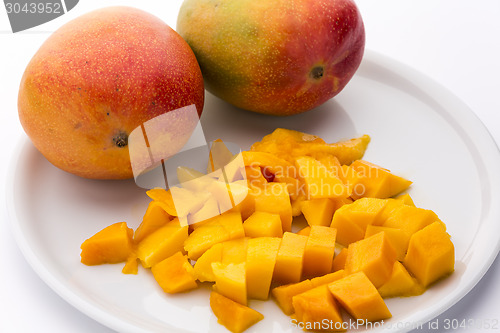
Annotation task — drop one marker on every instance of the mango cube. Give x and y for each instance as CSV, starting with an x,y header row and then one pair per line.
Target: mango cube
x,y
154,218
274,198
397,237
234,316
234,251
339,260
304,231
315,306
162,243
284,294
209,209
431,254
327,278
359,297
203,266
318,211
174,274
111,245
230,281
374,256
263,224
290,257
401,283
410,219
319,251
261,261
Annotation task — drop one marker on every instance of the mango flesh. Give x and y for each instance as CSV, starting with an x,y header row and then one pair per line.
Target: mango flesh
x,y
274,64
98,78
174,274
234,316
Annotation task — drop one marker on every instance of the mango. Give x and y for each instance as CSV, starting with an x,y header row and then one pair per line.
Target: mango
x,y
203,266
315,307
431,254
410,219
274,198
400,283
162,243
234,316
174,274
374,256
262,224
234,251
359,297
318,211
230,281
154,218
111,245
396,237
285,293
339,260
319,251
260,264
290,258
273,67
327,278
304,231
82,124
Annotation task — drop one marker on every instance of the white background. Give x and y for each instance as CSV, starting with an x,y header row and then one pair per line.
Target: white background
x,y
457,43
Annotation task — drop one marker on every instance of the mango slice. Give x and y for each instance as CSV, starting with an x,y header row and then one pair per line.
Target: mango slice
x,y
261,260
318,211
401,283
431,254
327,278
285,293
359,297
154,218
162,243
410,219
290,257
234,316
174,274
111,245
263,224
374,256
230,281
319,251
203,266
315,306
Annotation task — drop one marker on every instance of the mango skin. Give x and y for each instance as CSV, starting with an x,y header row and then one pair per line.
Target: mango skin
x,y
278,57
99,77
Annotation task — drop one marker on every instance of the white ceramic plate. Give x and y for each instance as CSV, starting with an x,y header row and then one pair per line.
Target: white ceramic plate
x,y
419,130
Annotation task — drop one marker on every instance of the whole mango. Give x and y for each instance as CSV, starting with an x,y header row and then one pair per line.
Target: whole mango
x,y
99,77
278,57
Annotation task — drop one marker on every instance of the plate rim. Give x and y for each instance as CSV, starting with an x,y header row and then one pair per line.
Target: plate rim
x,y
114,323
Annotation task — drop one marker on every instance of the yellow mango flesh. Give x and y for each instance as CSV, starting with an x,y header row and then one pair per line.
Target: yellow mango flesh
x,y
209,209
274,198
164,198
230,281
314,306
318,211
290,257
396,237
410,219
406,199
234,251
111,245
431,254
219,156
320,183
376,182
234,316
174,274
339,260
304,231
319,251
263,224
162,243
154,218
351,220
260,265
203,266
401,283
374,256
359,297
284,294
219,229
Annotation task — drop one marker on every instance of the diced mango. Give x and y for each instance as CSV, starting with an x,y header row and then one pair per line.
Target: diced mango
x,y
374,256
315,306
274,198
397,237
164,198
261,261
359,297
234,316
223,227
319,251
339,260
174,274
284,294
304,231
401,283
234,170
187,201
406,199
331,163
376,182
162,243
410,219
431,254
131,265
234,251
319,182
230,281
154,218
263,224
273,163
328,278
203,266
351,220
111,245
318,211
209,209
219,156
290,257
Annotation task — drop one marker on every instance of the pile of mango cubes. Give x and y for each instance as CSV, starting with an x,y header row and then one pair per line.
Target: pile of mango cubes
x,y
233,227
